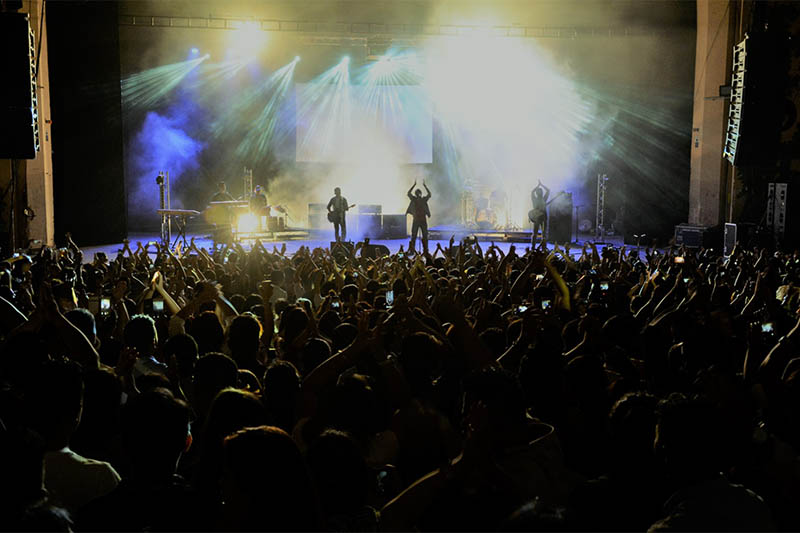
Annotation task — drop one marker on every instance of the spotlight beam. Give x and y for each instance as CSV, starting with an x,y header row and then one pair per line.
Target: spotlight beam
x,y
326,106
146,89
266,128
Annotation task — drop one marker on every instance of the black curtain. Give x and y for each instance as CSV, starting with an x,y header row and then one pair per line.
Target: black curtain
x,y
86,110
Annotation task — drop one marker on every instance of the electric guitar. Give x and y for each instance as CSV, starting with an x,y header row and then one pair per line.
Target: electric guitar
x,y
535,214
334,216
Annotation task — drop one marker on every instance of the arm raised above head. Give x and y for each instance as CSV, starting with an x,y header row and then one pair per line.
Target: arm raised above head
x,y
411,190
427,190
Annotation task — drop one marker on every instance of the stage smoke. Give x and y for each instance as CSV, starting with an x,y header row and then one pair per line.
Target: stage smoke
x,y
161,144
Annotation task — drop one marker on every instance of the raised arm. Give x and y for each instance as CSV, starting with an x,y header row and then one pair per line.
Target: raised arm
x,y
10,316
77,345
411,190
170,302
427,190
328,371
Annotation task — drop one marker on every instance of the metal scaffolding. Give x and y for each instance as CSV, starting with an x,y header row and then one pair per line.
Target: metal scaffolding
x,y
165,203
600,229
247,178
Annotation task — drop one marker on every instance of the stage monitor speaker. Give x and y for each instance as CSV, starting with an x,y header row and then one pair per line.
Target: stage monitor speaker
x,y
369,226
342,250
374,251
636,239
19,133
394,227
560,222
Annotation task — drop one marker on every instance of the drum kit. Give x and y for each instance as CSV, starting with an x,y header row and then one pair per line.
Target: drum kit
x,y
490,210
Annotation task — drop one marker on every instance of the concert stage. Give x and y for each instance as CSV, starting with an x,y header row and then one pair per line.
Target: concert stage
x,y
317,239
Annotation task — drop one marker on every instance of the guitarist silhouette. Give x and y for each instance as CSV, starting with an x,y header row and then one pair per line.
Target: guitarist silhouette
x,y
538,215
337,207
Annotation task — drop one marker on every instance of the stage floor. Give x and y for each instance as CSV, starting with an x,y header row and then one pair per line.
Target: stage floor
x,y
203,240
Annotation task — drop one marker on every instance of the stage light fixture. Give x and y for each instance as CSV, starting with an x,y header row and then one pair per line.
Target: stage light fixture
x,y
247,41
296,59
346,60
195,51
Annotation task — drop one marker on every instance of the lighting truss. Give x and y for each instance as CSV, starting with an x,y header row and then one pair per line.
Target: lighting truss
x,y
354,29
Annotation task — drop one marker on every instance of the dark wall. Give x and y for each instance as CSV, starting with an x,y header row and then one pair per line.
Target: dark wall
x,y
775,136
86,109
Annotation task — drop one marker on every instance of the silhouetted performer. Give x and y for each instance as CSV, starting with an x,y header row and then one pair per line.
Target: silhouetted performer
x,y
258,202
419,210
221,216
337,207
538,214
222,194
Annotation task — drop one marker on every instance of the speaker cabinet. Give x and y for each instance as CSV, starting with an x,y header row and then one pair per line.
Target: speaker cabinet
x,y
370,209
19,133
318,222
560,221
743,232
394,227
318,216
369,226
729,240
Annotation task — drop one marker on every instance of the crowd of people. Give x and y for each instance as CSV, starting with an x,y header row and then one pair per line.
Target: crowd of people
x,y
340,390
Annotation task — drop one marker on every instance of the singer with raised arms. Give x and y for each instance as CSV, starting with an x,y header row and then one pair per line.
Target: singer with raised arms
x,y
419,211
